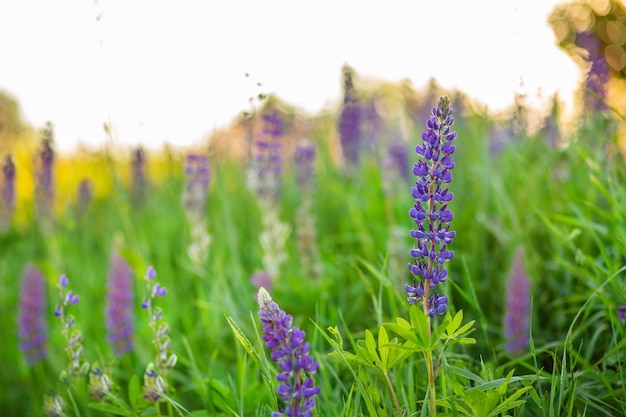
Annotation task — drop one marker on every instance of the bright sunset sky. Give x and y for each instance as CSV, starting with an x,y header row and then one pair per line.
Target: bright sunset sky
x,y
174,70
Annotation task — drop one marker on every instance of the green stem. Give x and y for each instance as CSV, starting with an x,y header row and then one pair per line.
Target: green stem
x,y
393,395
431,381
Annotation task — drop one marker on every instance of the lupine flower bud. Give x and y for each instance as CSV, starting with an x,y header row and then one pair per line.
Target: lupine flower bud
x,y
292,355
430,211
516,320
99,383
119,308
32,317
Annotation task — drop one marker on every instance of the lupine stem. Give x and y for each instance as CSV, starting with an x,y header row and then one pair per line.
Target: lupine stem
x,y
433,171
393,395
428,357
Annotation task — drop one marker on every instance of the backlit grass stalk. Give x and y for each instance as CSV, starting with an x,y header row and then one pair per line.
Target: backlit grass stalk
x,y
431,215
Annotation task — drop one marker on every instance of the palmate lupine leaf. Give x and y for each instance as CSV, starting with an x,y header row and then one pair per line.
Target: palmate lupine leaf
x,y
486,400
339,353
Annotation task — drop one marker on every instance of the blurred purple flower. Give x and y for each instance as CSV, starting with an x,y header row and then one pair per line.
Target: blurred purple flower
x,y
85,195
261,279
598,74
45,176
32,330
399,156
516,319
433,170
138,167
304,157
267,166
7,193
621,311
119,307
292,355
198,175
349,120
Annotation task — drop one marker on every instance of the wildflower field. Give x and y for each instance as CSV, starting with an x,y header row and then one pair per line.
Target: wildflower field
x,y
437,275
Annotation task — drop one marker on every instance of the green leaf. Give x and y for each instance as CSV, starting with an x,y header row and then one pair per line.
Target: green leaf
x,y
466,374
370,343
133,391
383,349
111,409
241,337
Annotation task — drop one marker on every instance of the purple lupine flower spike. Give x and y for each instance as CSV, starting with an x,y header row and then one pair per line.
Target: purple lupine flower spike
x,y
119,307
292,355
45,176
516,320
268,160
32,317
304,156
430,211
599,73
349,120
306,231
138,176
7,193
198,174
85,195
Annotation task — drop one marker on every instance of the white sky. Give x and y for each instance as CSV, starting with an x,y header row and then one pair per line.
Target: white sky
x,y
174,70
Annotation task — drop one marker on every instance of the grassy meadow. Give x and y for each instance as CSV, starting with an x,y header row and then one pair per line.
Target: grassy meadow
x,y
565,206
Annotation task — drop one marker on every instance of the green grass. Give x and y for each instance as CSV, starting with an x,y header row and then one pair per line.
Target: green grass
x,y
565,207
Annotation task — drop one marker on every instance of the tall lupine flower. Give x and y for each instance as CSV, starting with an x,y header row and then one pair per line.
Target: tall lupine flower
x,y
304,156
395,165
516,320
139,182
598,74
7,205
32,329
430,211
399,156
73,338
84,197
349,120
265,175
119,306
155,376
265,181
292,355
45,176
198,175
306,232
